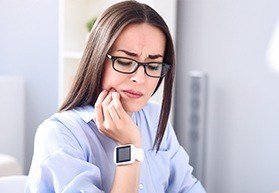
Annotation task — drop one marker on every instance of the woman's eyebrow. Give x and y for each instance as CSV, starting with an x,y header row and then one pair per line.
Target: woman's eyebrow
x,y
155,56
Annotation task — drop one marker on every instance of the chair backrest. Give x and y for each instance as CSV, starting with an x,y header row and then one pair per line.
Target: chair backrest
x,y
9,166
13,184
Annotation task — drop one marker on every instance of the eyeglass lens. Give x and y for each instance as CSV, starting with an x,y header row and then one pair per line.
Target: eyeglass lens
x,y
126,65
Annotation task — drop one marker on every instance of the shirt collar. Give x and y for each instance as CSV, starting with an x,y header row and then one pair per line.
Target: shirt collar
x,y
85,112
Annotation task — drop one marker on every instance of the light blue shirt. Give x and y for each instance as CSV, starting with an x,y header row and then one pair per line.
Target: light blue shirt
x,y
72,156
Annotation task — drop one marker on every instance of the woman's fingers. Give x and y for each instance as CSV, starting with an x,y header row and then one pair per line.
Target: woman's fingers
x,y
108,112
99,117
113,121
112,111
118,106
108,123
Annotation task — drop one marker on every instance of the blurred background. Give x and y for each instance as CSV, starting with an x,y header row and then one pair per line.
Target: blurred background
x,y
225,108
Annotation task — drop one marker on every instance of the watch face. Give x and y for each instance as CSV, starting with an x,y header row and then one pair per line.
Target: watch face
x,y
123,154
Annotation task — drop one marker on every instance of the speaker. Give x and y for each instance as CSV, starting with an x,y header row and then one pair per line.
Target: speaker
x,y
196,121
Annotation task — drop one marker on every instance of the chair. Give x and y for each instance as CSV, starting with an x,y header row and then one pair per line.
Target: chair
x,y
13,184
9,166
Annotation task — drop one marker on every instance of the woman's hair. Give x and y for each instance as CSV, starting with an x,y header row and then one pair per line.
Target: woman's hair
x,y
87,83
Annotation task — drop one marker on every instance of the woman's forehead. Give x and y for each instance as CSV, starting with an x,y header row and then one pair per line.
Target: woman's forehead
x,y
138,38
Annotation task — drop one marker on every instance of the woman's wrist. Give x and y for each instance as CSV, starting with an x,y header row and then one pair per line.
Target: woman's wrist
x,y
137,144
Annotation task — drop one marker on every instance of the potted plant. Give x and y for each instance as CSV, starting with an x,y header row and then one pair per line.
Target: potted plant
x,y
90,23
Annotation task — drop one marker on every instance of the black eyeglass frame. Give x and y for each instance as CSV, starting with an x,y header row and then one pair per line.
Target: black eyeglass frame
x,y
113,58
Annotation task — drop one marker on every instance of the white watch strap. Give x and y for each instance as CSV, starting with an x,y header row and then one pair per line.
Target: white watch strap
x,y
139,155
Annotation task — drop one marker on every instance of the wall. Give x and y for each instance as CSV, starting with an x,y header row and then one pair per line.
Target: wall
x,y
29,48
228,39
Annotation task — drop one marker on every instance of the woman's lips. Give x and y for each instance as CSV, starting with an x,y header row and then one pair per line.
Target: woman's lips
x,y
133,94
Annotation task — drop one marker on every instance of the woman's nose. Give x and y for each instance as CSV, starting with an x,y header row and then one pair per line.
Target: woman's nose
x,y
139,75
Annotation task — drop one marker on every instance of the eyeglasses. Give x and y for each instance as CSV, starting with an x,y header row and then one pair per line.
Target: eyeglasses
x,y
129,66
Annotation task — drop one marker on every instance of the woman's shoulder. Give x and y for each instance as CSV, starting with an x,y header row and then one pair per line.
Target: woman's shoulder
x,y
54,126
61,120
63,126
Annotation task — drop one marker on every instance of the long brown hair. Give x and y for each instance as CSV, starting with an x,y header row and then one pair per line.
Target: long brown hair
x,y
87,83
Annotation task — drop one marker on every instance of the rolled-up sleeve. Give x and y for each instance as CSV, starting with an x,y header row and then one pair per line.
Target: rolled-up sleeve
x,y
59,164
181,179
63,172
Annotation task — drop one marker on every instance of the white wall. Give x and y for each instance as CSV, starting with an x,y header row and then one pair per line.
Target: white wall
x,y
29,48
228,39
12,126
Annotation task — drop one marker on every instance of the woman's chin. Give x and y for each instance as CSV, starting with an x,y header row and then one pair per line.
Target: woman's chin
x,y
131,107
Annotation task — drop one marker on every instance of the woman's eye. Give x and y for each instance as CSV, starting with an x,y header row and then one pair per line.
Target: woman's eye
x,y
154,67
124,62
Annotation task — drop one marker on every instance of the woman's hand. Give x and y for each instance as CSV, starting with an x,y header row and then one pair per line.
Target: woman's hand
x,y
113,121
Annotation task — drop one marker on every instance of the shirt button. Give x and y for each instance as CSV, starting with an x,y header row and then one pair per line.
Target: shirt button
x,y
140,186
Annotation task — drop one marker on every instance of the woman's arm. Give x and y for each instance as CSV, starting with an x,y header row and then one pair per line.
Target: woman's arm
x,y
114,122
126,178
59,163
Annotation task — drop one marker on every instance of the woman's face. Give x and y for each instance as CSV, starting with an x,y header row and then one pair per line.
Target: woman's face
x,y
143,43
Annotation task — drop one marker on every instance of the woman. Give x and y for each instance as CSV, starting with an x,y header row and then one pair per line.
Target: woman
x,y
107,136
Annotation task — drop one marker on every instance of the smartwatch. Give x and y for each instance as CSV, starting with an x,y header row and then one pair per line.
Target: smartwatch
x,y
127,154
